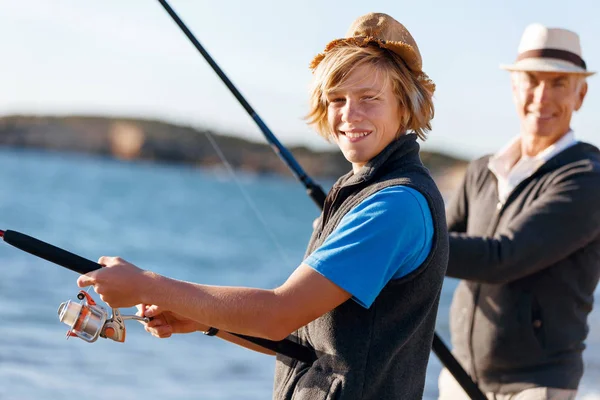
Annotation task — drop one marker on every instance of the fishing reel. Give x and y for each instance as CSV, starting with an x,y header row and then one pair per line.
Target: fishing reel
x,y
88,321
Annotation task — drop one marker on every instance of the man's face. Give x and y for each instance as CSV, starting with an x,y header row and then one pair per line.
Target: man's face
x,y
545,101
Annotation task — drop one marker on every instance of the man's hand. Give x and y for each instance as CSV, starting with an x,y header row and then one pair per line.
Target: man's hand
x,y
165,323
119,283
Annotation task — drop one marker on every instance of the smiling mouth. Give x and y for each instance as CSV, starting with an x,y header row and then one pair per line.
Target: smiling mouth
x,y
355,135
542,117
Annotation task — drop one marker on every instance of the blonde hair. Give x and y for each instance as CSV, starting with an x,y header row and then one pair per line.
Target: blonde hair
x,y
414,93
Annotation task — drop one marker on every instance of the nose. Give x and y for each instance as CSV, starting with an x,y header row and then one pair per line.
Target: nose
x,y
542,92
351,111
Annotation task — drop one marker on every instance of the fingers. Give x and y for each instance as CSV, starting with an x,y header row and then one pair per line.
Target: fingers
x,y
106,261
88,279
141,310
162,332
153,311
157,322
159,328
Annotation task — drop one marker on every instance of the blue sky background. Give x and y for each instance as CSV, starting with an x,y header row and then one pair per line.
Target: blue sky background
x,y
128,58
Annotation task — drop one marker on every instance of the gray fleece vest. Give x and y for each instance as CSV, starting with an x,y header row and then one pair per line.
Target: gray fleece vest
x,y
381,352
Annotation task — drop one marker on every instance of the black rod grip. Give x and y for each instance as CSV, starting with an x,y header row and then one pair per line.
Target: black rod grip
x,y
286,347
316,193
82,265
50,253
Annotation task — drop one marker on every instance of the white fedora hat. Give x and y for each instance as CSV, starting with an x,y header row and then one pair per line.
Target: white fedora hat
x,y
549,50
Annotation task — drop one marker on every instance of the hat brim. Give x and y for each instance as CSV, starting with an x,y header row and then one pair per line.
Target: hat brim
x,y
405,51
547,65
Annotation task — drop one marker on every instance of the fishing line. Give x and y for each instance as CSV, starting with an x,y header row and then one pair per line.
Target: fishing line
x,y
247,196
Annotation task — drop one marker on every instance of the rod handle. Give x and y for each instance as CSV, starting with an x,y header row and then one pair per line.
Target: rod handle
x,y
50,253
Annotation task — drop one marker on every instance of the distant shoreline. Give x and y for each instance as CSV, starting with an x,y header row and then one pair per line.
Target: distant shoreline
x,y
158,141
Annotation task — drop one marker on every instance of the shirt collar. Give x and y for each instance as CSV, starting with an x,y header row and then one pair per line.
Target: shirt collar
x,y
567,140
502,162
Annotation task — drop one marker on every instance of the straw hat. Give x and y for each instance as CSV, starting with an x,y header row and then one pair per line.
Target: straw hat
x,y
386,32
549,50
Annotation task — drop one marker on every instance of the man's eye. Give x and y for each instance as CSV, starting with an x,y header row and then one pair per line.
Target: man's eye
x,y
529,81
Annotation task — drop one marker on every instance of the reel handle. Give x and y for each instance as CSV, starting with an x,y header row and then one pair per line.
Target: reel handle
x,y
50,253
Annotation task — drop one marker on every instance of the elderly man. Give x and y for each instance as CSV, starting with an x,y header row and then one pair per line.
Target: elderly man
x,y
525,237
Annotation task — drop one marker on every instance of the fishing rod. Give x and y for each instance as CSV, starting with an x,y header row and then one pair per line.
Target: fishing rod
x,y
317,194
89,321
315,191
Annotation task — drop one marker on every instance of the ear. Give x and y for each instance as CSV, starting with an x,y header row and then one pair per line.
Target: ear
x,y
583,87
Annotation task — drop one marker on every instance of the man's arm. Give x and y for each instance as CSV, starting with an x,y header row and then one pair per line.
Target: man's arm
x,y
457,210
563,220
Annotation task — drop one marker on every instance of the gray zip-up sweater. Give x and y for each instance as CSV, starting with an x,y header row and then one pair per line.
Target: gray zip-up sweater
x,y
530,267
381,352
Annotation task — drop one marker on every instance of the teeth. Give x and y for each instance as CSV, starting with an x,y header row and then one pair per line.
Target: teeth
x,y
541,116
355,135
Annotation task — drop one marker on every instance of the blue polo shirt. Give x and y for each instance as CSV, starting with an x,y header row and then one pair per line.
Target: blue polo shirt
x,y
387,236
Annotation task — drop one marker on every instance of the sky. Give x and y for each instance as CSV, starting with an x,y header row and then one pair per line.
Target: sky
x,y
128,58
